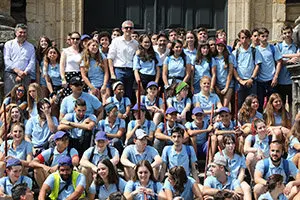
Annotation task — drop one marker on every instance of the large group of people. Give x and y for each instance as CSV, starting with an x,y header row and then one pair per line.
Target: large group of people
x,y
135,116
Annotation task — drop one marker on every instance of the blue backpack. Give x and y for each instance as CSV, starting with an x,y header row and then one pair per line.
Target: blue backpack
x,y
285,168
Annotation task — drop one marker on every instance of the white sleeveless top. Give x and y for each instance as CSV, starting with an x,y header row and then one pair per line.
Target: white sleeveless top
x,y
72,60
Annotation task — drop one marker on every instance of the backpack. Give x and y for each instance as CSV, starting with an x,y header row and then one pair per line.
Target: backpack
x,y
144,101
253,50
273,51
92,154
188,150
285,168
4,186
102,125
50,160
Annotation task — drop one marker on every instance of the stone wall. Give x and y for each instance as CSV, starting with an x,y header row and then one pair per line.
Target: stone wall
x,y
292,12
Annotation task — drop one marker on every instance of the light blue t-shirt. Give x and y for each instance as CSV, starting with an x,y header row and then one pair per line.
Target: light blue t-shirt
x,y
104,192
222,73
176,67
39,135
67,191
292,151
21,151
245,64
267,68
267,196
171,158
188,188
234,164
92,103
134,156
284,77
231,184
54,74
104,125
276,170
148,126
146,67
161,126
95,74
262,145
98,156
179,105
191,54
121,105
131,186
201,138
157,102
6,185
44,157
200,70
78,132
206,103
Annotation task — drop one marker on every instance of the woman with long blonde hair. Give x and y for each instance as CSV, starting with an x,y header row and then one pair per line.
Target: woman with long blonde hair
x,y
34,95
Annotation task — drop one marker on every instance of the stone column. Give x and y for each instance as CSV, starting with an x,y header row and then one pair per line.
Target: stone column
x,y
278,18
295,75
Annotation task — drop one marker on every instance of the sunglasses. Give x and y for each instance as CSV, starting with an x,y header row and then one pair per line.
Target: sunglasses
x,y
128,27
75,38
20,90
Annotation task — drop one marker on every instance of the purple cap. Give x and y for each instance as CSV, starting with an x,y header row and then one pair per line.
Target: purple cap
x,y
85,36
59,135
224,109
171,110
197,110
135,107
76,80
152,83
65,161
13,162
101,135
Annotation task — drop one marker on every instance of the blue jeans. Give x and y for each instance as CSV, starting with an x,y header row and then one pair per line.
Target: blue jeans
x,y
244,91
126,76
264,89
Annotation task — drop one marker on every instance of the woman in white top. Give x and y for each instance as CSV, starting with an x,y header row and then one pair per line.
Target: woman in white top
x,y
70,62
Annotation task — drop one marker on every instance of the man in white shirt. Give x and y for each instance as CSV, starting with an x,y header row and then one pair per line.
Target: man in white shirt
x,y
19,59
120,57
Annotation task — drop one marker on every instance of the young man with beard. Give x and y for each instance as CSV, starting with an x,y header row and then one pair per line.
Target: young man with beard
x,y
179,155
275,164
65,183
134,153
220,181
80,125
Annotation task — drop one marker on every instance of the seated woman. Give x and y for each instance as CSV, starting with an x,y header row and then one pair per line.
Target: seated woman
x,y
17,148
178,184
257,145
293,144
106,182
277,118
275,188
144,186
236,163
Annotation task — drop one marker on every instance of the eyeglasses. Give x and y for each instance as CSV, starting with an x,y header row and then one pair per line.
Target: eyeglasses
x,y
230,143
212,44
75,38
128,27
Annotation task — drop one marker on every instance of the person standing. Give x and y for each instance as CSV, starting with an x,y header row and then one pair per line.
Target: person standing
x,y
19,59
120,57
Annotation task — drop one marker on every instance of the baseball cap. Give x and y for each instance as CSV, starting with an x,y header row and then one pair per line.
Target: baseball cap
x,y
152,83
180,86
115,85
220,41
140,134
109,107
13,162
135,107
65,161
224,109
197,110
101,135
59,135
85,36
171,110
220,160
76,80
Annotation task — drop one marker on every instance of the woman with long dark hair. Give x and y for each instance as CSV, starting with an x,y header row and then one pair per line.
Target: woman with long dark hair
x,y
179,185
144,185
106,181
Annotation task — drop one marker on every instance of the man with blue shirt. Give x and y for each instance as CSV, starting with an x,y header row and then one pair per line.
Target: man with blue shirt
x,y
93,105
289,51
19,59
93,155
47,161
39,128
275,164
179,155
246,69
80,125
267,77
14,177
134,153
120,57
219,180
65,183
